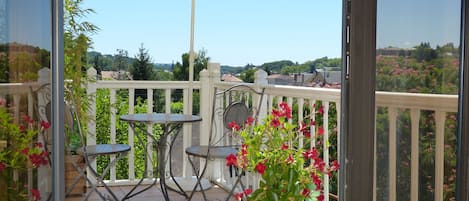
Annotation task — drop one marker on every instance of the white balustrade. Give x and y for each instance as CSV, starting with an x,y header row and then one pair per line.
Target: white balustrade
x,y
303,97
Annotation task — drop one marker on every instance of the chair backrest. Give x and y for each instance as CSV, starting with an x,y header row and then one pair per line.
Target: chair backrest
x,y
42,110
233,105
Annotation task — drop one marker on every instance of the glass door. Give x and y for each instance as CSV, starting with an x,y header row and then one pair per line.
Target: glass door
x,y
417,84
25,134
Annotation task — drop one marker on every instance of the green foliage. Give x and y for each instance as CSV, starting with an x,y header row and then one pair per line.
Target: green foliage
x,y
76,44
248,75
142,68
103,108
326,62
181,71
121,61
276,66
296,69
177,107
289,170
18,154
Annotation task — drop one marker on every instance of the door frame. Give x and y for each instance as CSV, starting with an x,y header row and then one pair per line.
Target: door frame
x,y
358,97
462,171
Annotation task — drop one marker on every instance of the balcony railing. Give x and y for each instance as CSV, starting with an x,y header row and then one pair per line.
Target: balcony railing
x,y
303,97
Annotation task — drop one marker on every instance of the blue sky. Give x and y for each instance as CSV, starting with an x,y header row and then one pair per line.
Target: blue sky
x,y
257,31
406,23
232,32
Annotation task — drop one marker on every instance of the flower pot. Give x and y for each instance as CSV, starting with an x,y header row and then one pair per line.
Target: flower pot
x,y
71,173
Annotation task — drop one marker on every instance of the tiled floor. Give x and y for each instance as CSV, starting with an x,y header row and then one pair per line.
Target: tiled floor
x,y
154,194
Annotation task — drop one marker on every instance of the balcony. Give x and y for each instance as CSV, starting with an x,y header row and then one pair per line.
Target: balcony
x,y
394,105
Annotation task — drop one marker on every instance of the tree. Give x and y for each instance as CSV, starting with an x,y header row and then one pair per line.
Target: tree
x,y
121,60
181,71
424,52
142,68
248,75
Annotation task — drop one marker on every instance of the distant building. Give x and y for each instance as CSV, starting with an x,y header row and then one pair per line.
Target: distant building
x,y
331,76
280,79
394,51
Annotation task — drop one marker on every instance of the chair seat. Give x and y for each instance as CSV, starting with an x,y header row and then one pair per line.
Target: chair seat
x,y
105,149
215,151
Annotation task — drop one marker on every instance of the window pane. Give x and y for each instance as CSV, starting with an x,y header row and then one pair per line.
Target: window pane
x,y
25,44
417,85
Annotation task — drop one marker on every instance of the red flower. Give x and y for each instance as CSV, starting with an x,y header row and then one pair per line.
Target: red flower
x,y
36,195
320,130
247,191
275,123
22,128
2,166
311,154
234,126
305,192
244,149
38,159
290,159
317,181
319,164
45,125
260,167
321,110
231,160
38,145
239,196
307,133
320,197
276,113
335,165
25,151
286,110
284,146
303,127
249,121
28,119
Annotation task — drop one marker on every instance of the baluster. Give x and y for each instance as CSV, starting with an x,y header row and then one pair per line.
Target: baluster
x,y
150,130
113,131
414,170
392,112
439,154
325,143
131,155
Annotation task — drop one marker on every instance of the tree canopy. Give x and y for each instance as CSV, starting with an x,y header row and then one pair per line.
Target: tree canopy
x,y
181,71
142,68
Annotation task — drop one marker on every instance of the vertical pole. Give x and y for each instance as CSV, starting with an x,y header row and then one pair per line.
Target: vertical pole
x,y
462,177
57,63
358,100
188,127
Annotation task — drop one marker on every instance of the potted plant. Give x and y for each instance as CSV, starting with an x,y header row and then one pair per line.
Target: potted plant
x,y
289,170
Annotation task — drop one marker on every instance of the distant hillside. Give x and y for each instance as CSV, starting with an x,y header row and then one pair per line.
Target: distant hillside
x,y
230,69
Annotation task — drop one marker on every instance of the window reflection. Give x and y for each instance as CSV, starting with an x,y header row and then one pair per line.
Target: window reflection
x,y
25,45
417,55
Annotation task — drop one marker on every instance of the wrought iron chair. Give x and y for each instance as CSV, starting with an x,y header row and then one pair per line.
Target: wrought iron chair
x,y
235,104
90,153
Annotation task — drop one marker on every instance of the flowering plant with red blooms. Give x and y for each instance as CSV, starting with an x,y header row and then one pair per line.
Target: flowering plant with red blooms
x,y
19,151
289,170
